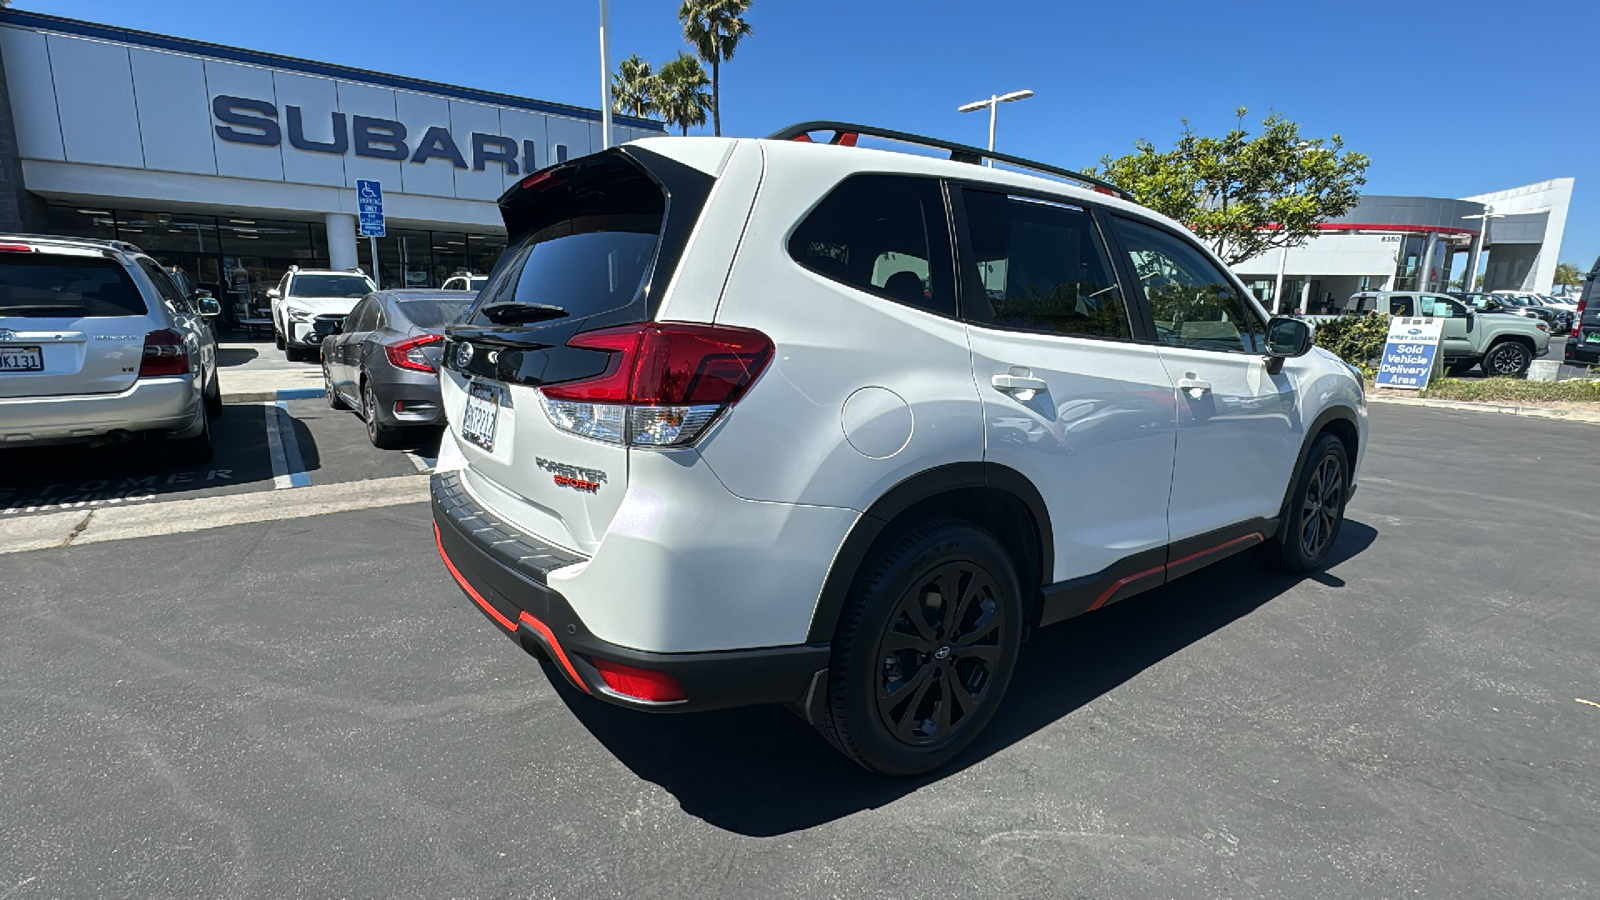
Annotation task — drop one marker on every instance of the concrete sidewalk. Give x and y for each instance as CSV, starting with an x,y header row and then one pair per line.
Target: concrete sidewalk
x,y
252,371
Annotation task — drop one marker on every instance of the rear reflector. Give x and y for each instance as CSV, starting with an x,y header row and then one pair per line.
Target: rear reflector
x,y
164,354
15,248
407,354
665,384
640,684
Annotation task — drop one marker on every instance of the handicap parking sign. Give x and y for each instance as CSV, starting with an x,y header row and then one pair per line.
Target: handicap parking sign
x,y
369,207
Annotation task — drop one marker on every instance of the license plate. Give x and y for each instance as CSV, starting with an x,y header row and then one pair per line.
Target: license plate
x,y
21,359
483,412
1592,337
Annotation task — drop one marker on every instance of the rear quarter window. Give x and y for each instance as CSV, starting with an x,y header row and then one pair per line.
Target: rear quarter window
x,y
47,285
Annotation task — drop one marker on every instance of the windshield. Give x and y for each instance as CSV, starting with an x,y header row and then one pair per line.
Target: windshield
x,y
356,286
44,285
433,312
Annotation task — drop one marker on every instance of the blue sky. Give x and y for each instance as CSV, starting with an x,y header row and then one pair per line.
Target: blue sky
x,y
1448,99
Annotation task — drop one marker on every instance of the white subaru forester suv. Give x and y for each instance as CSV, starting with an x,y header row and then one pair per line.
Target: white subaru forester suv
x,y
785,421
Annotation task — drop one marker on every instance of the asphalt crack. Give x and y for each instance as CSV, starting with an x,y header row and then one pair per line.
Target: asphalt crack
x,y
78,529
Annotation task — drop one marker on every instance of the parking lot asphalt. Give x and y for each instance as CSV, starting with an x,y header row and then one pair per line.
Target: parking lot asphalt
x,y
312,708
257,447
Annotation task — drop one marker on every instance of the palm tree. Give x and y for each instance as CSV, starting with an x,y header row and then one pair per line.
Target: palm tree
x,y
632,94
713,28
680,94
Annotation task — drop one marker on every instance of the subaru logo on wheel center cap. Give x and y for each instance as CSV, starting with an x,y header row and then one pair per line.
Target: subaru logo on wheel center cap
x,y
463,355
941,653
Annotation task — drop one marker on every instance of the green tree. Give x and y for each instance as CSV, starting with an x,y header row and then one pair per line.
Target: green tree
x,y
714,28
633,88
1568,275
680,92
1244,195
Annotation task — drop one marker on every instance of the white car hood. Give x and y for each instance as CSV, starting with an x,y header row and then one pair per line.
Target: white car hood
x,y
324,306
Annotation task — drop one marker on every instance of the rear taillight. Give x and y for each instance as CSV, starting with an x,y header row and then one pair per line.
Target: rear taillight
x,y
640,684
164,354
407,354
665,384
1577,318
16,248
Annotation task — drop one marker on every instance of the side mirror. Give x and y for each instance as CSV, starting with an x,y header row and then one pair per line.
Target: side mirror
x,y
209,305
272,294
1288,337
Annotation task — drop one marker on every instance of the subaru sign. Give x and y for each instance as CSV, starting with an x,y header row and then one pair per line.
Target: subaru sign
x,y
1409,353
369,205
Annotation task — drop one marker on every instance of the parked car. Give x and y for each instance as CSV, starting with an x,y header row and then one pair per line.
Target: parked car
x,y
305,297
807,473
99,345
463,281
1525,305
1583,347
384,360
1501,343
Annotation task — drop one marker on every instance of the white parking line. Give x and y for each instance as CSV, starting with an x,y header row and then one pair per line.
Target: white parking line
x,y
423,463
287,469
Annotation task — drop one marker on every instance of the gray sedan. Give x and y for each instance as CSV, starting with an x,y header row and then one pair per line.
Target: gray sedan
x,y
385,362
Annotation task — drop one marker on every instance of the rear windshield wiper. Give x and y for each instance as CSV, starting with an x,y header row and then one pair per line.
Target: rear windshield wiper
x,y
514,313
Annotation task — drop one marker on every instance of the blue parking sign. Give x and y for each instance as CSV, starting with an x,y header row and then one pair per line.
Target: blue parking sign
x,y
369,207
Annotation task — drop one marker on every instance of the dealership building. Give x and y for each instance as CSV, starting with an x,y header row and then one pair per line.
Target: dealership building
x,y
1421,244
234,165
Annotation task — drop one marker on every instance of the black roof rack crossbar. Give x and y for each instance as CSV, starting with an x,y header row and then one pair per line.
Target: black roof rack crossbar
x,y
846,133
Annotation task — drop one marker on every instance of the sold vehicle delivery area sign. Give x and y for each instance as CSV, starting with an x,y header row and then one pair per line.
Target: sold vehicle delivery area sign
x,y
1409,353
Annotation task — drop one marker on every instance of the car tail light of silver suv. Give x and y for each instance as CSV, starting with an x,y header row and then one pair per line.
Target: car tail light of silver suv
x,y
665,384
164,354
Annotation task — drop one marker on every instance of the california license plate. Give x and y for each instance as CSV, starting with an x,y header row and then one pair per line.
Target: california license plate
x,y
483,413
21,359
1592,337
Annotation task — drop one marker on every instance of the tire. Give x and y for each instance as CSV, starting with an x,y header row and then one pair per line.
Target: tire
x,y
192,450
213,397
1507,359
382,436
334,400
922,725
277,338
1315,512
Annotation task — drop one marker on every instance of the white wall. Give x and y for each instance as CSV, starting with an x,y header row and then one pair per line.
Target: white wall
x,y
148,112
1334,253
1554,196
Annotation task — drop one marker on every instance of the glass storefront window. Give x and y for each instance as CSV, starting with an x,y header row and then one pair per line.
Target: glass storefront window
x,y
72,221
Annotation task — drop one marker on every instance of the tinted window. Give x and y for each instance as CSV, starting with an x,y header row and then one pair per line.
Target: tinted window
x,y
1040,267
1193,302
47,285
883,234
329,286
433,313
360,317
1402,305
166,288
591,238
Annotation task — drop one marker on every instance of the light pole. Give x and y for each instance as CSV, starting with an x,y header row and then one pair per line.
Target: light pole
x,y
1283,249
605,75
1477,249
993,103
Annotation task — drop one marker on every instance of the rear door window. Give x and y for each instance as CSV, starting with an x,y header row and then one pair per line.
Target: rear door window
x,y
49,285
883,234
1039,266
166,287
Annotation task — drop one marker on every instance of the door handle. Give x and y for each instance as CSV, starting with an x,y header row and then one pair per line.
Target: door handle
x,y
1010,383
1194,386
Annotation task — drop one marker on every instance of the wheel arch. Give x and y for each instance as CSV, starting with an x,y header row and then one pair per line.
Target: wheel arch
x,y
995,497
1341,422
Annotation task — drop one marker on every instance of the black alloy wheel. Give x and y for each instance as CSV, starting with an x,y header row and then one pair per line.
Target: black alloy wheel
x,y
382,436
925,649
1507,359
1314,513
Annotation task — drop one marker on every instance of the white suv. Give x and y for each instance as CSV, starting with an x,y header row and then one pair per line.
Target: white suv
x,y
310,304
778,421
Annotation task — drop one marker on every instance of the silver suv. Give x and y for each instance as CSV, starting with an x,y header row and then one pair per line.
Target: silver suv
x,y
99,345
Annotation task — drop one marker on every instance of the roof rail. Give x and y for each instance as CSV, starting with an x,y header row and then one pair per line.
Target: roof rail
x,y
846,134
110,243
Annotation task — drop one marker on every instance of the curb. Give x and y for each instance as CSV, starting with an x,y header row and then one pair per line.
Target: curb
x,y
1538,412
308,393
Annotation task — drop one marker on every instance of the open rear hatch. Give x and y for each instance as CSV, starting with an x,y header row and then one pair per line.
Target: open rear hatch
x,y
72,321
532,376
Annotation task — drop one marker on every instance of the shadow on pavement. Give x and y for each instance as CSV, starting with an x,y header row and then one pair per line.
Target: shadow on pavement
x,y
763,772
235,356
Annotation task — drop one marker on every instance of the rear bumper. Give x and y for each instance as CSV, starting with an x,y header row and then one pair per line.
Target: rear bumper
x,y
503,571
1579,351
416,392
152,404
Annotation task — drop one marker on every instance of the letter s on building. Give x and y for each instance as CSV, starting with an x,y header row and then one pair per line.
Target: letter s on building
x,y
230,110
